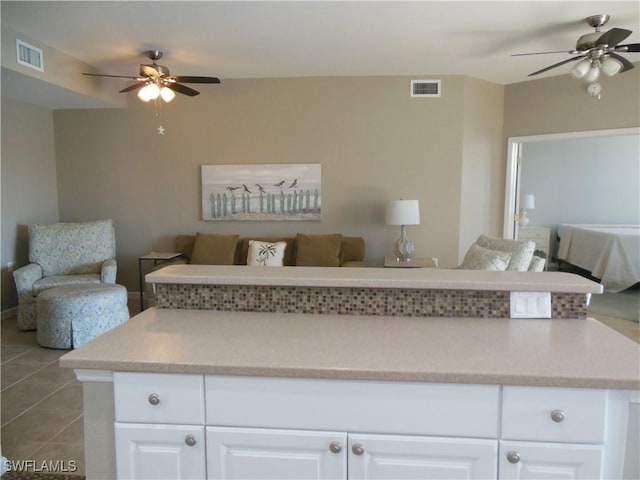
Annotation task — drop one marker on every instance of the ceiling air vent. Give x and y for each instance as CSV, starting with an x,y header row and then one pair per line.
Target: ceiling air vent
x,y
425,88
29,56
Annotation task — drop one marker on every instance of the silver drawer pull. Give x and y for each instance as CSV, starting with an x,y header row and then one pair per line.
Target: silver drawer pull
x,y
513,457
357,449
154,399
557,416
190,440
335,447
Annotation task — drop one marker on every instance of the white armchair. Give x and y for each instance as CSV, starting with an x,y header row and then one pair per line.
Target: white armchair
x,y
64,254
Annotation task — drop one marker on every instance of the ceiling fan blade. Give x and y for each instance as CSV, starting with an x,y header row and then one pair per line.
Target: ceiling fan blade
x,y
573,59
613,37
188,79
626,64
133,87
538,53
631,47
113,76
149,70
182,89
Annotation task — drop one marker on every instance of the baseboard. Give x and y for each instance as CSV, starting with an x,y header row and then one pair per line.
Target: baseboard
x,y
9,312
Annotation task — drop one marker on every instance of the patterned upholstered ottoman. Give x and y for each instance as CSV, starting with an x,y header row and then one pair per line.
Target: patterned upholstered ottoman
x,y
72,315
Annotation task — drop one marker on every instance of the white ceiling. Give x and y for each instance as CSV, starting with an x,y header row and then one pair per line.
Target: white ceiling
x,y
243,39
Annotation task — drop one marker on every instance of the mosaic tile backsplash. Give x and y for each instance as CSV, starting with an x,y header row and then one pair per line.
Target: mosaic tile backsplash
x,y
355,301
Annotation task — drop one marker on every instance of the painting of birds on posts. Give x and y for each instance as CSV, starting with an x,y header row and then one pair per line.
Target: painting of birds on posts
x,y
262,192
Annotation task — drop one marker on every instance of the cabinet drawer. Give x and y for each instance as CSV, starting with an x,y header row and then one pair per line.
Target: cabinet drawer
x,y
384,407
159,398
554,414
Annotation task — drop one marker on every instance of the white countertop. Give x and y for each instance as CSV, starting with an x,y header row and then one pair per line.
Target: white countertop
x,y
415,278
567,353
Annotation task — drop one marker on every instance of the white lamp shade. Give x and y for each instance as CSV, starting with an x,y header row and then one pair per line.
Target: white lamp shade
x,y
167,94
149,92
592,75
581,68
611,66
403,212
529,202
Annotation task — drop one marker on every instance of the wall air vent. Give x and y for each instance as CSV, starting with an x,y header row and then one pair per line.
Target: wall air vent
x,y
29,56
425,88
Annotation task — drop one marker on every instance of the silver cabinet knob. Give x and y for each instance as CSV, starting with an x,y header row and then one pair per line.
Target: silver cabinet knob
x,y
557,416
513,457
190,440
335,447
357,449
154,399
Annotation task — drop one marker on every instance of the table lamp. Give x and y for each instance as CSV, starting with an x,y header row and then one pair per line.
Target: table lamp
x,y
528,203
403,212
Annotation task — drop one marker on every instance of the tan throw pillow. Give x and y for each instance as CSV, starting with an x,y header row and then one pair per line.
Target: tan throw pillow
x,y
318,250
214,249
266,254
478,258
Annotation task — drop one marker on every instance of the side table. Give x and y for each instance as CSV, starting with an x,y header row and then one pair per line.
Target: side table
x,y
393,262
155,257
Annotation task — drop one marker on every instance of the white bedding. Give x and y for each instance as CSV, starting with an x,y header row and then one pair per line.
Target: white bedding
x,y
610,252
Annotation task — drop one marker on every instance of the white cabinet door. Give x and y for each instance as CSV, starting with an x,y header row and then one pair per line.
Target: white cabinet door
x,y
531,460
254,453
158,452
416,457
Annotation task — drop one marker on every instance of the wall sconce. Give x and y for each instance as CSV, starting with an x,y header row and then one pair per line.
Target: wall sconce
x,y
528,203
403,212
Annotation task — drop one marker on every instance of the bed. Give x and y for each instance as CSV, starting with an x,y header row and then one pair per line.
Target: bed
x,y
610,253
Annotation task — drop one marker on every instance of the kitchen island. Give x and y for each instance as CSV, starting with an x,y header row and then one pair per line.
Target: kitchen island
x,y
205,393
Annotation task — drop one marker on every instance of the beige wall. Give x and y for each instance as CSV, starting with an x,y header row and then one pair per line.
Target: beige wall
x,y
560,104
29,187
481,184
374,142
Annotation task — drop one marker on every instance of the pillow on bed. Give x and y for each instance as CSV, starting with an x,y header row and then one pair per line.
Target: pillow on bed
x,y
266,254
479,258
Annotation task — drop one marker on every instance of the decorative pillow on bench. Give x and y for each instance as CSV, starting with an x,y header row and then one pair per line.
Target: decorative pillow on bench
x,y
266,254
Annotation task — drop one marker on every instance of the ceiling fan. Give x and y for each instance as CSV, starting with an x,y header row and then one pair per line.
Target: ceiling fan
x,y
597,52
156,81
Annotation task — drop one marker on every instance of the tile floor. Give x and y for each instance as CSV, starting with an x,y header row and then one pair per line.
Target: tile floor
x,y
41,403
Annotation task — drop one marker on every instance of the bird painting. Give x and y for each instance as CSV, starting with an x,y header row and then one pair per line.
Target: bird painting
x,y
261,188
231,189
294,183
279,184
244,187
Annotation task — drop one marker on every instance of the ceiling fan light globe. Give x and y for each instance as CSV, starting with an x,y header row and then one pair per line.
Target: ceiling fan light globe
x,y
143,94
611,66
580,69
593,74
167,94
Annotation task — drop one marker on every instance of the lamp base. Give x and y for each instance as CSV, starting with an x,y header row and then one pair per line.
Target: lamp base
x,y
524,219
403,248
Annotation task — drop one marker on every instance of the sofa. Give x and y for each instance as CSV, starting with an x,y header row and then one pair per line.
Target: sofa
x,y
502,254
330,250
